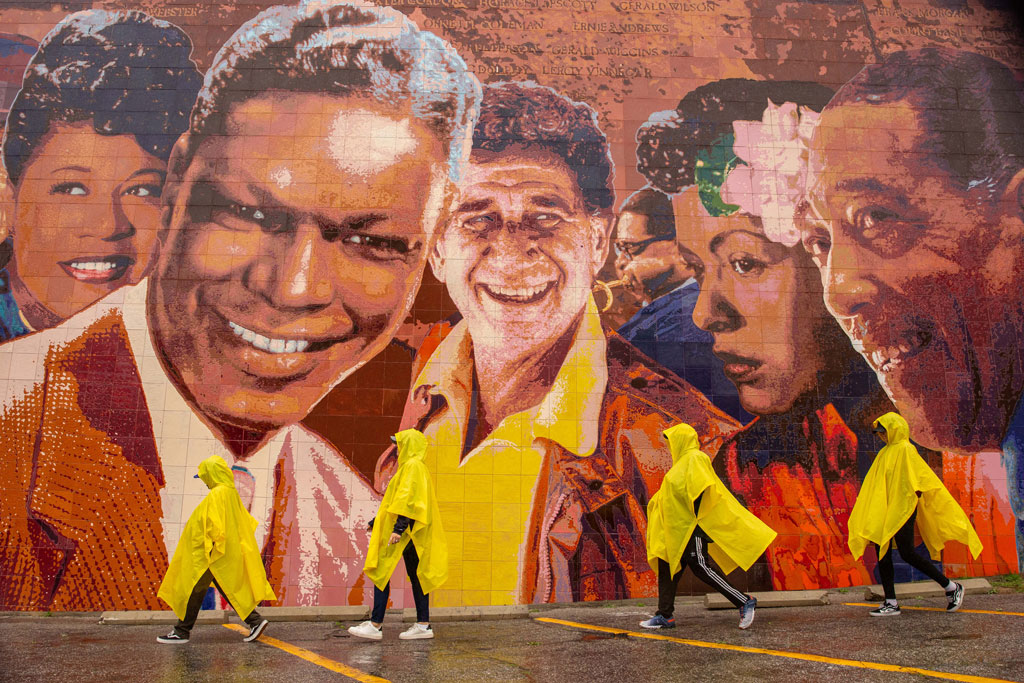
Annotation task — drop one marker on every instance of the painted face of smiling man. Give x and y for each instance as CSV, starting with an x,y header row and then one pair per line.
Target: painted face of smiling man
x,y
521,251
920,249
292,257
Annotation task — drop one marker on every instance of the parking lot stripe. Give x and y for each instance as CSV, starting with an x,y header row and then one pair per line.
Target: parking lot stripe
x,y
940,609
313,657
877,666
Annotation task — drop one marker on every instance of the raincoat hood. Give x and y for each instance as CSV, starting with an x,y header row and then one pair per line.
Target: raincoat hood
x,y
215,472
738,538
412,445
896,428
682,439
410,493
899,483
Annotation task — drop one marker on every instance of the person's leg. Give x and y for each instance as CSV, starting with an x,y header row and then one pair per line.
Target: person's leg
x,y
904,539
667,586
421,629
184,626
887,573
380,604
695,556
253,620
412,563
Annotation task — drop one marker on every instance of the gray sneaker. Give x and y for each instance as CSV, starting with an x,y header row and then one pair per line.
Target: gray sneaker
x,y
747,613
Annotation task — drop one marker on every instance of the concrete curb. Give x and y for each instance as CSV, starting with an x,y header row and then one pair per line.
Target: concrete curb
x,y
812,598
141,617
481,613
927,589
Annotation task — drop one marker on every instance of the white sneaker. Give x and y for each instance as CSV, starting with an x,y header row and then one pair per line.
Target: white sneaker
x,y
417,631
367,630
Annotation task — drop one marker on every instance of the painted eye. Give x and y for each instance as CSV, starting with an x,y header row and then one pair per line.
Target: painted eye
x,y
746,265
481,223
381,247
144,190
872,220
70,188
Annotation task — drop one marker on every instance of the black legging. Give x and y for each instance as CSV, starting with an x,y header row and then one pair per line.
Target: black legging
x,y
195,603
694,557
904,541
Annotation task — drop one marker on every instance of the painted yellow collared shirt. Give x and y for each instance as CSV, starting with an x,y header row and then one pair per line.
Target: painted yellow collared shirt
x,y
486,497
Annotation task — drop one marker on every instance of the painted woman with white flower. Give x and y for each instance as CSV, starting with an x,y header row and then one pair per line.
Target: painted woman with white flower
x,y
733,156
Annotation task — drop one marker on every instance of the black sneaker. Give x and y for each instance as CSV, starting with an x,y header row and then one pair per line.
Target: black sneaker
x,y
256,631
172,638
888,609
956,598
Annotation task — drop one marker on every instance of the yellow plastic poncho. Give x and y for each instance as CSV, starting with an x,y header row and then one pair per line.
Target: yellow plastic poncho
x,y
410,493
888,497
219,536
738,537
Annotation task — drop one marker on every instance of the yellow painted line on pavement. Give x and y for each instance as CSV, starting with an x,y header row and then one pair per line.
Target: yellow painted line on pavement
x,y
313,657
939,609
877,666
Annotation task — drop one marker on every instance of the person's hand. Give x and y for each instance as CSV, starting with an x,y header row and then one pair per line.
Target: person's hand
x,y
395,538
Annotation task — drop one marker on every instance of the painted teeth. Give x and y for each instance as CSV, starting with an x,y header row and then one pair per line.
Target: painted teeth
x,y
266,343
517,292
98,266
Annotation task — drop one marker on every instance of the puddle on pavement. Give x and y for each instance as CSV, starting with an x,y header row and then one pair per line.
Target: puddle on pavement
x,y
603,636
957,636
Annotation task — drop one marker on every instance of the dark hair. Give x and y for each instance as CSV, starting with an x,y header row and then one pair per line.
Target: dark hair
x,y
972,108
537,117
125,71
656,206
342,49
668,142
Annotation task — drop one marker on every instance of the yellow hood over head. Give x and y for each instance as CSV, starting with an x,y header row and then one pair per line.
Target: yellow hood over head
x,y
215,472
898,483
410,493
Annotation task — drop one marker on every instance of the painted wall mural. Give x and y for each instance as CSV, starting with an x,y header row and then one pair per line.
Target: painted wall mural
x,y
539,231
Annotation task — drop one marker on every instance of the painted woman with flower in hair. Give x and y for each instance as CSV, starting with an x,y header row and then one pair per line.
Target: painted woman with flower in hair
x,y
733,157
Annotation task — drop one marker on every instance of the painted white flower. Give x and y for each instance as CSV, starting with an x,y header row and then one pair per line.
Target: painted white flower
x,y
772,185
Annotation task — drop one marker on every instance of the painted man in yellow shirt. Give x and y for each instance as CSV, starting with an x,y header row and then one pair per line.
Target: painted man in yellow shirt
x,y
544,426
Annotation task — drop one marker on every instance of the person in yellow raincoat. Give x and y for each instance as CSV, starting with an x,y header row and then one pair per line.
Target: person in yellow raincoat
x,y
900,488
218,545
410,513
693,514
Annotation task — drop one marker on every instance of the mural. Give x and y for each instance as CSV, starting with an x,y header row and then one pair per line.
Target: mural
x,y
539,231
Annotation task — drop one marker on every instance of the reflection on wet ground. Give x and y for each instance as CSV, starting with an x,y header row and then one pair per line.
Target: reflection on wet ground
x,y
970,646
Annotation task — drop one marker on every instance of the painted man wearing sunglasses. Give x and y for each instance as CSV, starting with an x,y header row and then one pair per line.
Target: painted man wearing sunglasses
x,y
654,267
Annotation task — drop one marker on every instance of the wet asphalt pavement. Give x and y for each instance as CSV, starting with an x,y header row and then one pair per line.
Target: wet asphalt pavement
x,y
983,645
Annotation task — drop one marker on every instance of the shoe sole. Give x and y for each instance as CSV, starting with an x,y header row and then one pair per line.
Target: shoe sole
x,y
366,637
655,628
172,642
887,614
259,632
418,636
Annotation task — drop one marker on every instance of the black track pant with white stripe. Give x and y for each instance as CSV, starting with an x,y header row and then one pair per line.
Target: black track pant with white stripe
x,y
695,557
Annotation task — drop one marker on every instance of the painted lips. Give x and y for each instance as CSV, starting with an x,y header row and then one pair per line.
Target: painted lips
x,y
889,357
526,294
277,345
98,270
738,368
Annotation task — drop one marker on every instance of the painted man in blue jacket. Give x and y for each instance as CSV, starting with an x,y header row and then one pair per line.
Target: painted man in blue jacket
x,y
653,267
